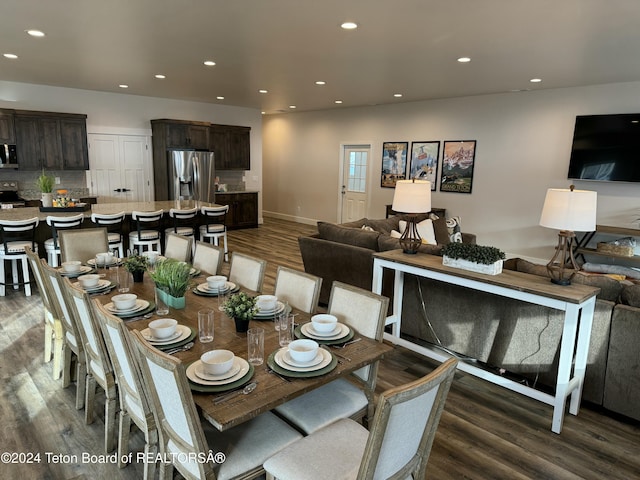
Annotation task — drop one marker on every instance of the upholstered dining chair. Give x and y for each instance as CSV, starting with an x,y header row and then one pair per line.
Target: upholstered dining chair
x,y
57,224
53,332
178,247
15,237
247,271
183,436
299,289
146,231
113,223
365,312
73,350
208,258
99,368
83,244
397,446
215,226
134,404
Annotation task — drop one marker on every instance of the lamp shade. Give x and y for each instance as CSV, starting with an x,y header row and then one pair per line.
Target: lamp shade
x,y
412,196
569,209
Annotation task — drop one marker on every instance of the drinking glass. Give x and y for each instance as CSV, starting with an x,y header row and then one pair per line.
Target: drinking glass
x,y
124,279
285,331
223,296
161,307
205,325
255,345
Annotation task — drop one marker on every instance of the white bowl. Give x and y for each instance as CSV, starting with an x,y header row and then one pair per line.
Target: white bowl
x,y
303,350
88,281
72,266
105,258
324,323
163,327
217,362
124,301
152,256
216,282
266,303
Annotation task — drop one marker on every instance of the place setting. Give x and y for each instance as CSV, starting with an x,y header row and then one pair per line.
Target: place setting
x,y
93,283
74,269
325,329
302,358
219,371
106,259
215,286
167,333
128,305
268,307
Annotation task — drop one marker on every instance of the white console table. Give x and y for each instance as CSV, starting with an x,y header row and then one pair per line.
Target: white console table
x,y
577,301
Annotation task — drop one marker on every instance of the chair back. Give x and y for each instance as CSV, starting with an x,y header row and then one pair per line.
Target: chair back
x,y
247,271
178,247
404,426
167,387
83,244
208,258
182,218
17,235
36,269
63,223
146,221
215,217
299,289
112,221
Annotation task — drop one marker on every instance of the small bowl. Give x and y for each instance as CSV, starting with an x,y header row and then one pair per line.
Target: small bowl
x,y
324,323
89,280
106,258
163,327
303,350
217,362
216,282
72,266
152,256
124,301
266,303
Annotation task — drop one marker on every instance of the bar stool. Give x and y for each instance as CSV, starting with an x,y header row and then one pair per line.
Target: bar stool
x,y
215,227
184,223
16,236
147,232
52,245
113,223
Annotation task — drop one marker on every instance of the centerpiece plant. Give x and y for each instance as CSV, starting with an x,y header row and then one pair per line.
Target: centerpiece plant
x,y
172,279
242,308
136,264
45,184
477,258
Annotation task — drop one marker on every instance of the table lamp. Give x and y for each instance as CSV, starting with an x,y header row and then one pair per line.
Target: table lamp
x,y
569,211
411,197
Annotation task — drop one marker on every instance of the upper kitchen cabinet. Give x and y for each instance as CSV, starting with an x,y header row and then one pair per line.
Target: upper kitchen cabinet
x,y
7,130
182,134
231,147
53,141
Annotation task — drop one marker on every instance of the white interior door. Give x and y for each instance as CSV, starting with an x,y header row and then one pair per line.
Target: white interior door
x,y
355,176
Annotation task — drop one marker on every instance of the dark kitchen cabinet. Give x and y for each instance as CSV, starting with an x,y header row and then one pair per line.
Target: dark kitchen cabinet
x,y
7,130
243,208
231,147
187,136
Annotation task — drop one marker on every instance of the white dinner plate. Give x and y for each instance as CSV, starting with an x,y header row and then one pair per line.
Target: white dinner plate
x,y
83,269
116,261
204,288
235,368
269,313
191,373
280,354
182,332
342,331
140,305
102,285
288,359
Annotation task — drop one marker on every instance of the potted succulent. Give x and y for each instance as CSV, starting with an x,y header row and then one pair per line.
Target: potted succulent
x,y
45,183
477,258
172,281
136,265
242,308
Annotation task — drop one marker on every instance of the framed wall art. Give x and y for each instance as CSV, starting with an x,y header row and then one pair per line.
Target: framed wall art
x,y
424,161
394,163
458,158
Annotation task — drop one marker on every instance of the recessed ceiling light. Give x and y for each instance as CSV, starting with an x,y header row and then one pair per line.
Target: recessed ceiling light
x,y
338,101
320,82
35,33
10,55
209,63
160,76
263,113
220,98
122,85
397,95
635,121
349,25
263,91
535,80
292,106
464,59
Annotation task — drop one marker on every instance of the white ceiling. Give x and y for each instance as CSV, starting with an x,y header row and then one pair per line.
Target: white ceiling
x,y
284,46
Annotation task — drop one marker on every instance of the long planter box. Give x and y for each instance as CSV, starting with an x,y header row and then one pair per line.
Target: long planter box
x,y
491,269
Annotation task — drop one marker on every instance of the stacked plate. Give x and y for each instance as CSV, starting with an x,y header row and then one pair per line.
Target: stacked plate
x,y
281,362
269,314
340,332
204,289
240,373
182,333
101,287
141,306
83,270
116,261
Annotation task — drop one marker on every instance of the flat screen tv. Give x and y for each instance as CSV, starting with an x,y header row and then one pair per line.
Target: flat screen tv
x,y
606,148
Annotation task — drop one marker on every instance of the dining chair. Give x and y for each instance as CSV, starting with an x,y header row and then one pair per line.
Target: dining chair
x,y
365,312
183,436
99,368
208,258
113,223
300,290
73,350
215,226
57,224
247,271
134,404
178,247
183,222
146,231
397,446
15,237
83,244
53,331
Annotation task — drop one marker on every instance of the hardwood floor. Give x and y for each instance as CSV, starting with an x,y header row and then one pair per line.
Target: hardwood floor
x,y
486,432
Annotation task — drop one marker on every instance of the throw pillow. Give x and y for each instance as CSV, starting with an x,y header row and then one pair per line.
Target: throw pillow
x,y
440,229
455,233
395,234
425,230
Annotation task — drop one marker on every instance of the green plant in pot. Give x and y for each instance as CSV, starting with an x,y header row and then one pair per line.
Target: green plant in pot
x,y
242,308
172,281
477,258
136,265
45,184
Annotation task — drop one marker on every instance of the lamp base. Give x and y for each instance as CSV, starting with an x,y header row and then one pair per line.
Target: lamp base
x,y
410,239
563,266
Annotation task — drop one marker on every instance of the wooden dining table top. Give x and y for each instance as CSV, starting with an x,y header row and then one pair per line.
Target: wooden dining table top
x,y
272,390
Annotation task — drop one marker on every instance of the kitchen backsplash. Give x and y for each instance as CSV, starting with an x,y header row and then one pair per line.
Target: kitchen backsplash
x,y
72,181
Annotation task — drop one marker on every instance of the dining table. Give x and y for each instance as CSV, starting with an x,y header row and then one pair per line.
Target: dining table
x,y
274,385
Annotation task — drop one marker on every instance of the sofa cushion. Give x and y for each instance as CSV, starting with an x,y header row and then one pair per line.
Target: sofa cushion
x,y
441,230
610,288
386,242
349,236
385,225
425,230
630,295
532,268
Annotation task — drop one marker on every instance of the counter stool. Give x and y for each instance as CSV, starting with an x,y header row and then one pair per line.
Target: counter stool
x,y
183,223
215,226
113,223
52,245
147,232
15,237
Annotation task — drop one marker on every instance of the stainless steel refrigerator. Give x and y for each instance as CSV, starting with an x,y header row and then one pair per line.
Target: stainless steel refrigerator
x,y
192,175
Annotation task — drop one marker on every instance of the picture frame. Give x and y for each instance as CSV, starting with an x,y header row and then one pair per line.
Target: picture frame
x,y
394,163
458,162
424,161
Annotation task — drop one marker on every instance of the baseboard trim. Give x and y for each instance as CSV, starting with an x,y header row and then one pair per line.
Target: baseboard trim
x,y
291,218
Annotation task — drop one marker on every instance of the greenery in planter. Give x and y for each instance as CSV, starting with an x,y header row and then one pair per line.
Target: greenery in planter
x,y
473,253
136,263
172,276
45,182
241,306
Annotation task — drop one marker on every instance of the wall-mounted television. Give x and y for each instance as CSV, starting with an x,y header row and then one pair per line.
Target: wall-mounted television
x,y
606,148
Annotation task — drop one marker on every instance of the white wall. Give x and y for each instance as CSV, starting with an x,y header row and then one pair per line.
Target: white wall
x,y
523,147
